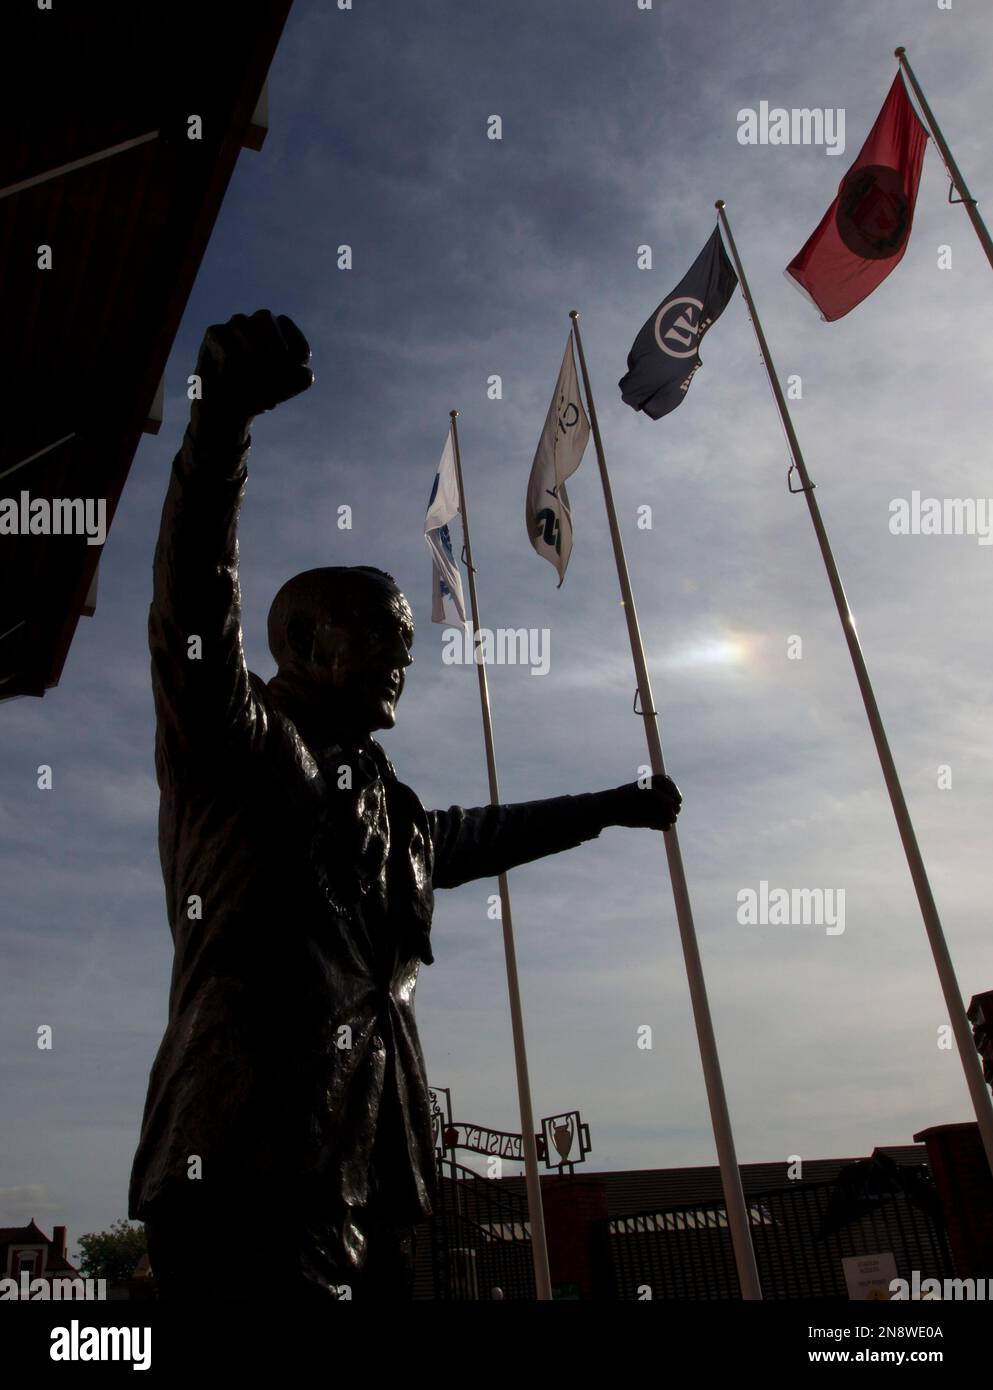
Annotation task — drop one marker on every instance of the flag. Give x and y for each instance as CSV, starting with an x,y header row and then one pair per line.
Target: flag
x,y
559,454
447,602
865,231
665,355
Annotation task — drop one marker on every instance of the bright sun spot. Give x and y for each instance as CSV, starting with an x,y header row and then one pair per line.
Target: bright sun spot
x,y
731,649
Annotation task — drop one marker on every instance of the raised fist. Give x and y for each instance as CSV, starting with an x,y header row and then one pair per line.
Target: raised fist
x,y
247,366
653,808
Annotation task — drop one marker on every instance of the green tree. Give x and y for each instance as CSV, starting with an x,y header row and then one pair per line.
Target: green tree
x,y
113,1254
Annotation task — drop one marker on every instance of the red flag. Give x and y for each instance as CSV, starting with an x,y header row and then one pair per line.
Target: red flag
x,y
865,231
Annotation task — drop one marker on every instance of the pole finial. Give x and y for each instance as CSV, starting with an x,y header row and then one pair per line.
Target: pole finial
x,y
719,204
899,52
574,314
453,413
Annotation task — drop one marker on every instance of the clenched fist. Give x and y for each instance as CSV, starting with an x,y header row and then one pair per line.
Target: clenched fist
x,y
247,366
654,807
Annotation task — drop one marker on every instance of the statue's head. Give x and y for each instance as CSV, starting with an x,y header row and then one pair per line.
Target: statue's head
x,y
342,635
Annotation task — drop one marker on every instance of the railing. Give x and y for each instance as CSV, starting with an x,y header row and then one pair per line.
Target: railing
x,y
480,1239
686,1253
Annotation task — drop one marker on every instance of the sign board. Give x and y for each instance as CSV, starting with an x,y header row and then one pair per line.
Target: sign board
x,y
563,1142
869,1276
484,1141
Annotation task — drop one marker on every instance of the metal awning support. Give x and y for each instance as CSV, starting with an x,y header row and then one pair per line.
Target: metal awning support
x,y
37,454
75,164
258,126
90,601
154,420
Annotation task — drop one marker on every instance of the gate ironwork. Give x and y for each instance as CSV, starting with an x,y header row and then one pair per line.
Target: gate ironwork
x,y
685,1252
480,1238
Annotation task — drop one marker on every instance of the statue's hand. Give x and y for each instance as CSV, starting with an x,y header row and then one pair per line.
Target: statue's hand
x,y
246,366
654,807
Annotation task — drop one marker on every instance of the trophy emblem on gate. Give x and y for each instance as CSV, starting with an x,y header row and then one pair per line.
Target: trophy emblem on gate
x,y
567,1137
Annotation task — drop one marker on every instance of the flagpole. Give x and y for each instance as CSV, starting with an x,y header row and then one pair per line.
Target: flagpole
x,y
539,1248
932,923
954,173
734,1199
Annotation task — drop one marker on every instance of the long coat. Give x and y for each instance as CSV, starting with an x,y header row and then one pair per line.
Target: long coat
x,y
291,1007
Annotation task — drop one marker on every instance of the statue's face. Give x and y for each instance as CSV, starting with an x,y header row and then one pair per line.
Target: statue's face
x,y
363,660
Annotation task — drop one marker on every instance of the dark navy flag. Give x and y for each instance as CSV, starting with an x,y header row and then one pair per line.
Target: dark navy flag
x,y
666,353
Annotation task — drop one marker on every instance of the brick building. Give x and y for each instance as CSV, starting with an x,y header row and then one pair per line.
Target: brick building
x,y
27,1250
662,1234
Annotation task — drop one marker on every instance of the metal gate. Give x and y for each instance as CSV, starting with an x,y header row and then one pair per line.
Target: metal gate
x,y
479,1240
800,1234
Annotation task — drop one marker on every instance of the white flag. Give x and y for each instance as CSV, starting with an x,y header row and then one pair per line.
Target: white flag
x,y
447,603
560,452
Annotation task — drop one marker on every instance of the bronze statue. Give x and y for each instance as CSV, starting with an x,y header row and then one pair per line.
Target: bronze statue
x,y
286,1146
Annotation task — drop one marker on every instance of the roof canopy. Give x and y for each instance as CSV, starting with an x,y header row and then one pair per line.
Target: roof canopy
x,y
116,158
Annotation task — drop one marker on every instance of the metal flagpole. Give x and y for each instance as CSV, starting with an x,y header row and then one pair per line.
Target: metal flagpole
x,y
539,1250
954,173
734,1199
932,923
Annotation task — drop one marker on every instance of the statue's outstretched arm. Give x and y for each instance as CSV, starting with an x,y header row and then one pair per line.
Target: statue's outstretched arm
x,y
489,840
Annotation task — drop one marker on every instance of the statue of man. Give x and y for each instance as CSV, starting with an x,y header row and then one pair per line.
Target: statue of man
x,y
286,1146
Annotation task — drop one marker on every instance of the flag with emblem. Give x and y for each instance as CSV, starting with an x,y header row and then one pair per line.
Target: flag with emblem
x,y
865,231
559,454
447,602
665,356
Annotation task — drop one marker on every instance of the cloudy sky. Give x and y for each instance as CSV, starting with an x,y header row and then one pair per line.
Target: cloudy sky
x,y
619,131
